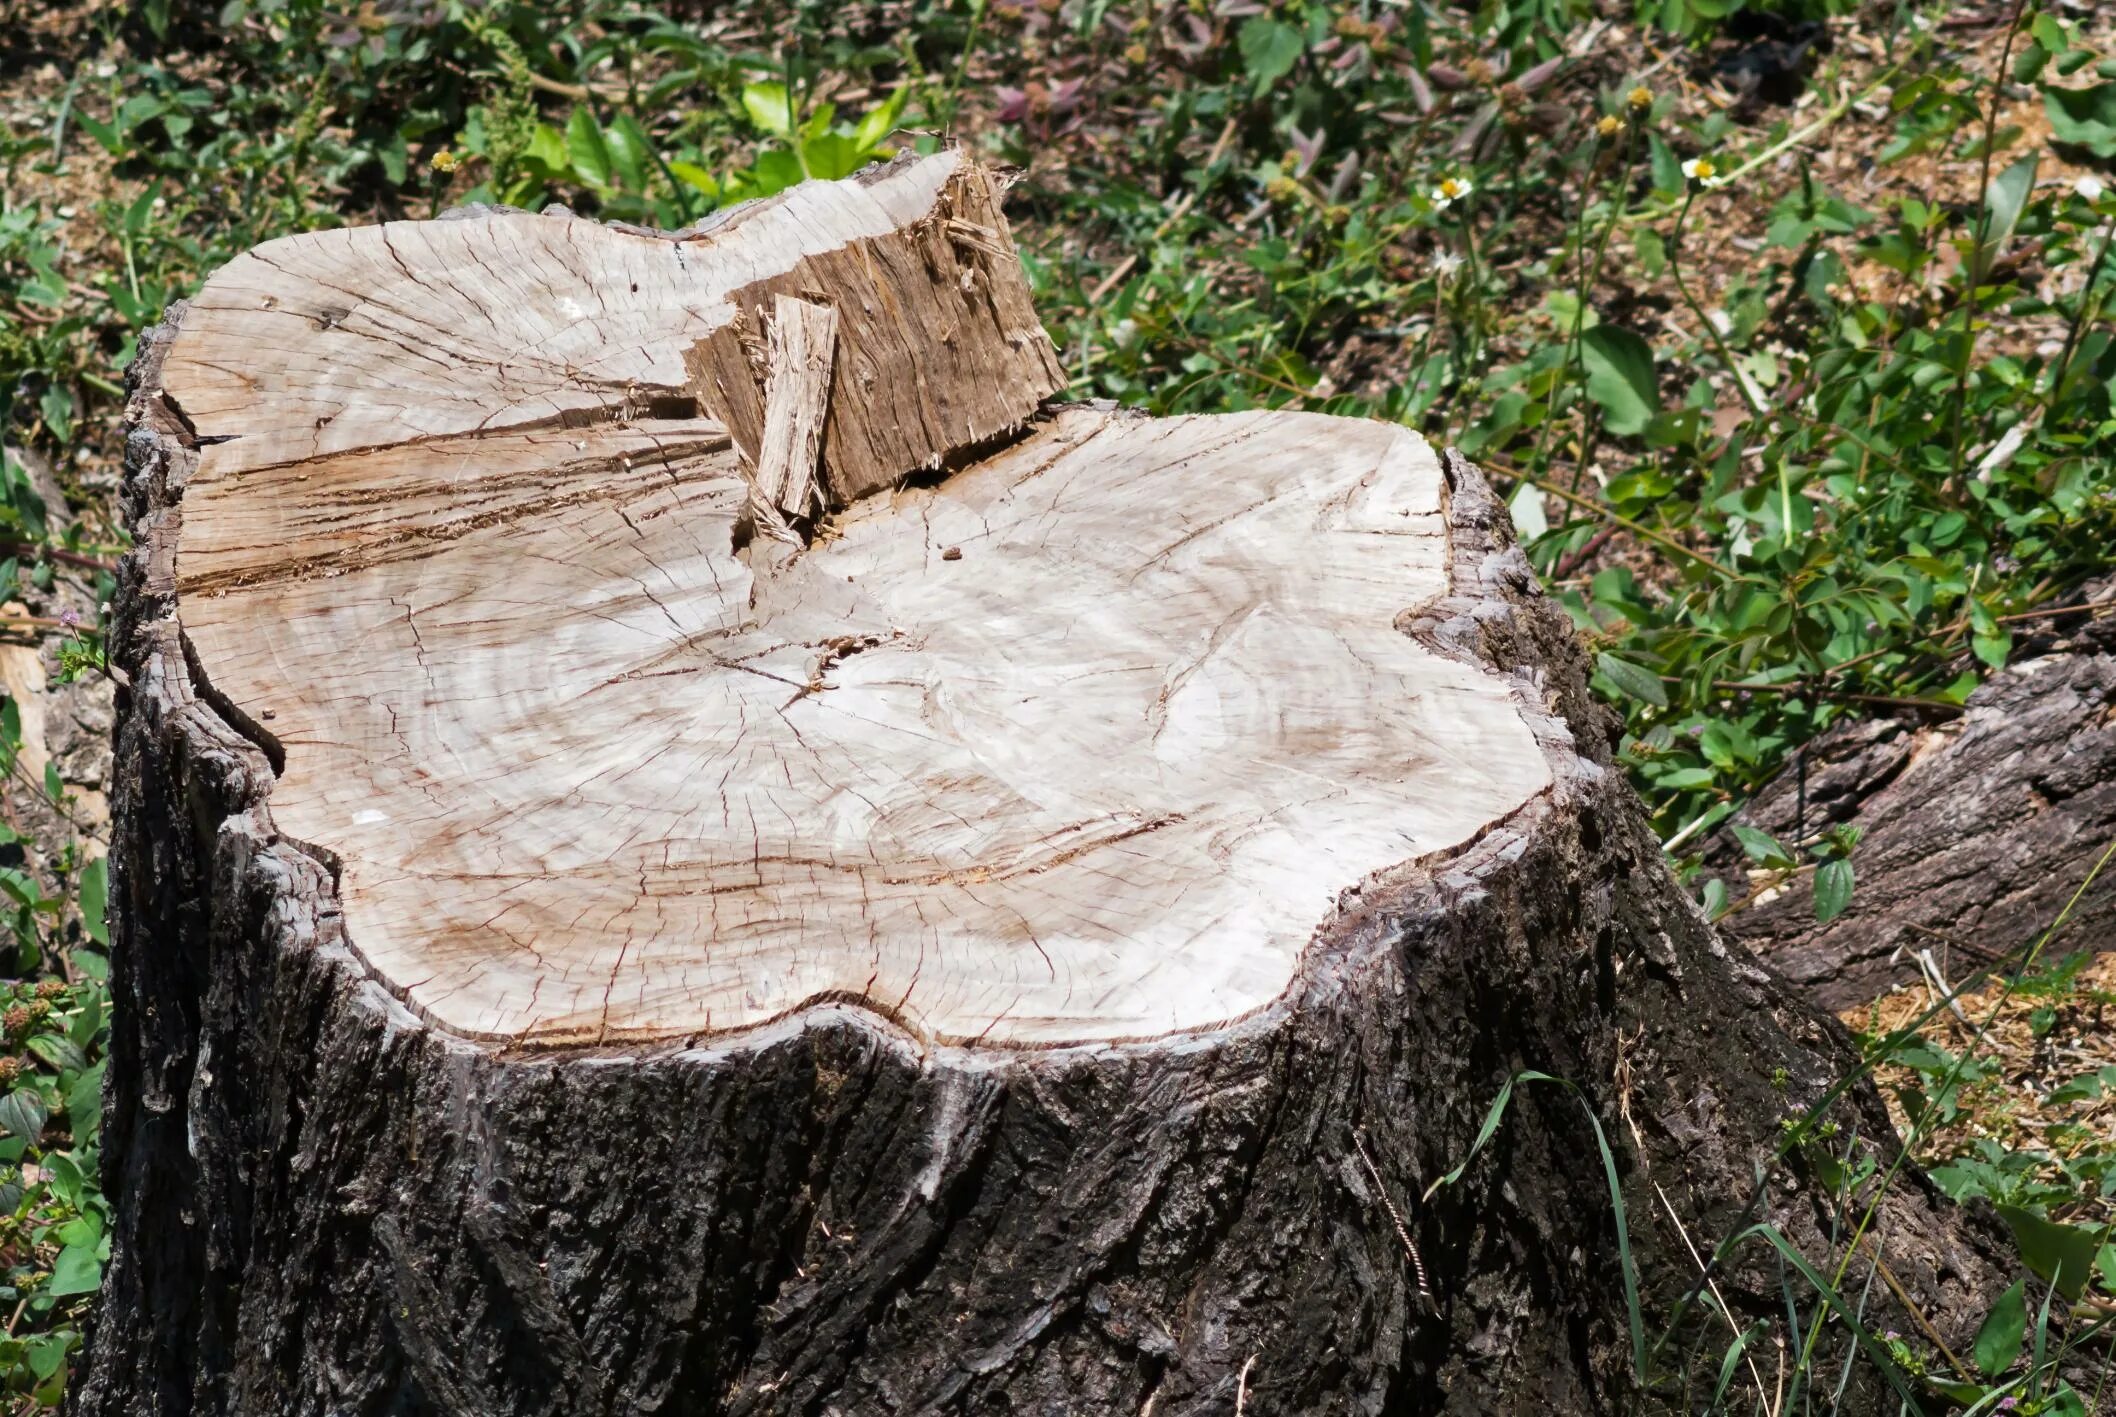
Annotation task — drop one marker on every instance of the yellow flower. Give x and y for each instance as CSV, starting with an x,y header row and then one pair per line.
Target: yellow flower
x,y
1609,126
444,161
1704,172
1450,191
1640,99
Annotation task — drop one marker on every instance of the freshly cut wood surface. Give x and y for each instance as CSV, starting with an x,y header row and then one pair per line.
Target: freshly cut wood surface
x,y
1080,742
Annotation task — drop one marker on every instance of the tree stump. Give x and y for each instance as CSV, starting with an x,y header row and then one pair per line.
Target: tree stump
x,y
686,843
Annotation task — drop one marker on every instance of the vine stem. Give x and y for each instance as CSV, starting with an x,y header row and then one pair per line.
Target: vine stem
x,y
1719,342
2080,316
1591,278
1977,254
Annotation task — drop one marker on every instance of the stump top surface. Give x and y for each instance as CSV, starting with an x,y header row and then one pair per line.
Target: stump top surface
x,y
1080,743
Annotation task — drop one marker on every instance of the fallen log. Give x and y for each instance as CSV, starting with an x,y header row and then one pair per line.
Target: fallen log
x,y
677,854
1975,831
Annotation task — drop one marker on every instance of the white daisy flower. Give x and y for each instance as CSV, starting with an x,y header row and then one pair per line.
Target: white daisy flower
x,y
1450,191
1445,264
1704,172
2089,187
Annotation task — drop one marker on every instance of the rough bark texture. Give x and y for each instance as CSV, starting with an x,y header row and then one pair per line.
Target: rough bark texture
x,y
1977,830
327,1207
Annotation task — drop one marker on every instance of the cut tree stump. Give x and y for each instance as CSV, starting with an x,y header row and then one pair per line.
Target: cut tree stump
x,y
687,843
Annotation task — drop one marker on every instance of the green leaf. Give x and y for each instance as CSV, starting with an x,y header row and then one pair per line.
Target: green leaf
x,y
880,122
2004,201
1492,1117
57,408
630,151
47,1352
547,151
1683,779
2029,62
2065,1401
1992,649
84,1105
1730,1363
22,1114
66,1178
1270,48
2062,1254
769,108
831,155
105,134
1714,901
2084,116
84,1229
1667,168
2084,1088
1633,680
585,146
78,1271
1620,378
2005,1328
61,1053
1761,847
1833,890
692,175
775,172
94,893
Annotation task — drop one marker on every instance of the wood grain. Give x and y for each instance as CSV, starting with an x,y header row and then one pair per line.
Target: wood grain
x,y
1081,743
801,347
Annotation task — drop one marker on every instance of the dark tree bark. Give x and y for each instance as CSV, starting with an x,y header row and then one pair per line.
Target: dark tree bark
x,y
326,1203
1976,830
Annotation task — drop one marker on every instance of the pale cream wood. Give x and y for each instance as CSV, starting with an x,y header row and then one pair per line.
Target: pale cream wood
x,y
800,346
1079,742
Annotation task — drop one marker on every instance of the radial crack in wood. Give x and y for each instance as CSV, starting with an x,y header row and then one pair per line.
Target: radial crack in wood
x,y
1080,744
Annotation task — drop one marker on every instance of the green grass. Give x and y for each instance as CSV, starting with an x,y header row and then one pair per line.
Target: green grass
x,y
1843,461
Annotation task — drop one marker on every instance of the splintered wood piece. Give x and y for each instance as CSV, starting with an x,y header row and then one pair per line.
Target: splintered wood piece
x,y
799,345
938,347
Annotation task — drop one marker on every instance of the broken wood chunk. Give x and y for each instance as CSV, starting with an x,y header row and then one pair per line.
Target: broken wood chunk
x,y
938,348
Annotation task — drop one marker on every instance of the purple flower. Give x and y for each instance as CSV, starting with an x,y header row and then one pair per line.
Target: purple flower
x,y
2008,1403
70,618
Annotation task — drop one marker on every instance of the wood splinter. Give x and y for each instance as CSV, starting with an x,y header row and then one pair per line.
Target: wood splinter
x,y
800,343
